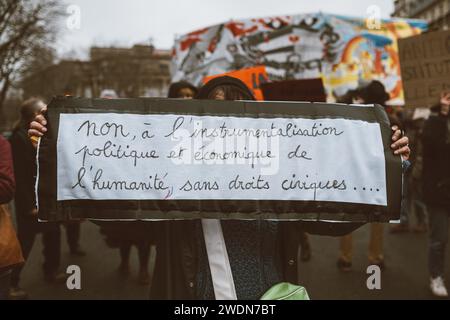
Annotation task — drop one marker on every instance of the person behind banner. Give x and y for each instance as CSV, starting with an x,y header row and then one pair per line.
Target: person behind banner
x,y
436,190
24,157
416,204
414,121
373,93
261,253
182,90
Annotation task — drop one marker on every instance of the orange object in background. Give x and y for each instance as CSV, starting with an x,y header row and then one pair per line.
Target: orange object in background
x,y
253,77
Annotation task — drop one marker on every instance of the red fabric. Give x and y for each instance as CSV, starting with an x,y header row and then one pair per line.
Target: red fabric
x,y
7,183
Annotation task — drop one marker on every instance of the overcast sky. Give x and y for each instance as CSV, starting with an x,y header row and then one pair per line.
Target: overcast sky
x,y
125,22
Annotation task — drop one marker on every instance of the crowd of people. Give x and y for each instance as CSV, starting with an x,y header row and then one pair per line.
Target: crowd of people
x,y
261,253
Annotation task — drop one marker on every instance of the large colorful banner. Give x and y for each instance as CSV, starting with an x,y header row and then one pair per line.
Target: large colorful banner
x,y
173,159
341,50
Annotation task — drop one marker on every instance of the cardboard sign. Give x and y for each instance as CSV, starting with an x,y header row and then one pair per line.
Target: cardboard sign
x,y
425,66
253,77
172,159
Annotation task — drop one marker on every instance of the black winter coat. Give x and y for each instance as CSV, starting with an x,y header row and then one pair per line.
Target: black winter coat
x,y
176,257
24,158
436,161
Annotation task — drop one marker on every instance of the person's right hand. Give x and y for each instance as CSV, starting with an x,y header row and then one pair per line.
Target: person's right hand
x,y
38,125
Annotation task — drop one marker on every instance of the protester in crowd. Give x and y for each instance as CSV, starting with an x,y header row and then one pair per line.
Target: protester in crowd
x,y
8,253
413,198
183,90
373,93
261,253
24,157
239,235
436,189
396,115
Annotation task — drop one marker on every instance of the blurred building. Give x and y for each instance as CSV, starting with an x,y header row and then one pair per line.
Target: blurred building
x,y
435,12
71,77
139,71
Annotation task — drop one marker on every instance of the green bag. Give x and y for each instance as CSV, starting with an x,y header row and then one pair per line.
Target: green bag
x,y
286,291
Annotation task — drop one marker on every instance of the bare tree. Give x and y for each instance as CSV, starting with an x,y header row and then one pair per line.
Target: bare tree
x,y
25,27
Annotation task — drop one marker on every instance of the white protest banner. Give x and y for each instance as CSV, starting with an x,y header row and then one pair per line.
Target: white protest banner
x,y
167,162
137,157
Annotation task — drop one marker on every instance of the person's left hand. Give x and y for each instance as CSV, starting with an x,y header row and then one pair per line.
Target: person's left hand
x,y
400,144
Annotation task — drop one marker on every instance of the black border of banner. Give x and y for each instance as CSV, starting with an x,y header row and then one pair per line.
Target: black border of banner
x,y
53,210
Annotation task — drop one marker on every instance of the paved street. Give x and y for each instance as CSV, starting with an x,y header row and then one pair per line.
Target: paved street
x,y
405,277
